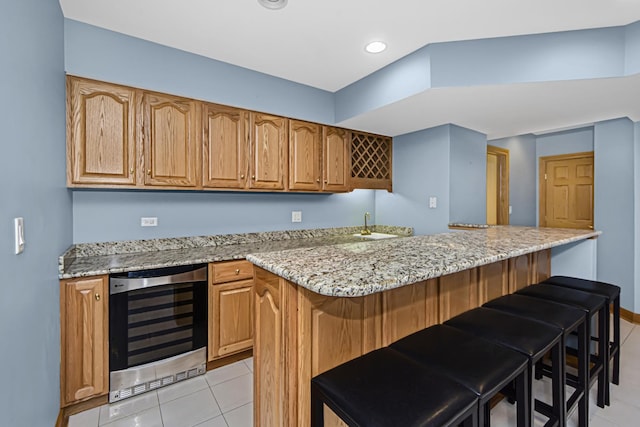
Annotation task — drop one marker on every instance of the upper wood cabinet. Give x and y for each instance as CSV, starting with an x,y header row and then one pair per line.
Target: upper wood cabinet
x,y
84,337
268,151
225,147
100,133
171,145
123,137
336,158
305,156
371,161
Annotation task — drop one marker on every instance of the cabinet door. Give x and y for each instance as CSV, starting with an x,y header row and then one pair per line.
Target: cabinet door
x,y
84,333
268,151
305,153
336,158
100,133
232,312
224,162
170,140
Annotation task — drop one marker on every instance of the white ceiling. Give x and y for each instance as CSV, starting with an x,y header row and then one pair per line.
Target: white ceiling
x,y
321,44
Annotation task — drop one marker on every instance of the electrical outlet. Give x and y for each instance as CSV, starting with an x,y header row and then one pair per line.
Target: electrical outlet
x,y
296,216
433,202
149,221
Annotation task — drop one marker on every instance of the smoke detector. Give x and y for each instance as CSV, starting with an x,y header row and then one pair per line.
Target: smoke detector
x,y
273,4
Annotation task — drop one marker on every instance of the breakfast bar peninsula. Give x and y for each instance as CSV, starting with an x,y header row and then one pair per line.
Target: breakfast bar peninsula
x,y
316,308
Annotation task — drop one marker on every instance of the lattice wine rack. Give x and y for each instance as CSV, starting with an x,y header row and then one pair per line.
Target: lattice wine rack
x,y
370,161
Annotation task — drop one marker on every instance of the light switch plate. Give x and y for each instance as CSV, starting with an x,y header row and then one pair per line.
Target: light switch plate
x,y
296,216
18,224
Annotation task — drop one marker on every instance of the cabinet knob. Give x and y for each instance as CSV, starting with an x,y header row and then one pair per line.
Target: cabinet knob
x,y
149,172
242,176
253,177
131,171
318,180
237,271
97,296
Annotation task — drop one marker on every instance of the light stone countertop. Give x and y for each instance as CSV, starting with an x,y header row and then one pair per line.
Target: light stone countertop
x,y
91,259
363,268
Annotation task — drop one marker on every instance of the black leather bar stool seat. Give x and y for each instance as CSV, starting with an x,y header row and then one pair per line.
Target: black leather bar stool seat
x,y
567,318
592,305
384,388
529,337
612,293
480,365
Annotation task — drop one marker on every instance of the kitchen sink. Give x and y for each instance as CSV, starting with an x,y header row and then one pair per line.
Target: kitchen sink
x,y
376,236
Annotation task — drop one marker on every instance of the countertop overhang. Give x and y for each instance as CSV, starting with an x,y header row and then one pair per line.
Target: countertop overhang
x,y
363,268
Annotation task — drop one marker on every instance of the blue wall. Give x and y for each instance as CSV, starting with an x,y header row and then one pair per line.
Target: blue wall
x,y
614,205
557,143
424,157
199,213
115,215
113,57
565,142
32,119
467,176
636,169
522,177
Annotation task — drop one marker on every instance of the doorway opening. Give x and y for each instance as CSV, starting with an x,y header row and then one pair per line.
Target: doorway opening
x,y
497,186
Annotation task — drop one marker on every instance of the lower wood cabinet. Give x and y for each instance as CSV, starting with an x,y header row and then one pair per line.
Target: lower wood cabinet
x,y
230,308
84,336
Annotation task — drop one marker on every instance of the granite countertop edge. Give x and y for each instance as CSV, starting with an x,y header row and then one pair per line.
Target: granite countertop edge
x,y
350,284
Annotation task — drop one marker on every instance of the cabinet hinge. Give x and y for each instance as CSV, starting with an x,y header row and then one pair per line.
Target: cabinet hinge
x,y
545,176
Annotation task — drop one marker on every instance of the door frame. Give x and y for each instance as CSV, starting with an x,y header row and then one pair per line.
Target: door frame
x,y
503,193
542,186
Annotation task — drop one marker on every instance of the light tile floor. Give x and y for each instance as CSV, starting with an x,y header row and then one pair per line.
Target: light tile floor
x,y
224,398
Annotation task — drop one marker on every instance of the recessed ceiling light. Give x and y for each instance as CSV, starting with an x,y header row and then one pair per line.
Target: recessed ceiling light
x,y
375,47
273,4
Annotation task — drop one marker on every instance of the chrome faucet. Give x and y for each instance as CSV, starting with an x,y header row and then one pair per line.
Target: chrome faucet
x,y
366,231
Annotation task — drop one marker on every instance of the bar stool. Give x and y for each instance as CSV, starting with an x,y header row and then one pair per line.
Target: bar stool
x,y
480,365
567,318
612,293
591,304
385,388
529,337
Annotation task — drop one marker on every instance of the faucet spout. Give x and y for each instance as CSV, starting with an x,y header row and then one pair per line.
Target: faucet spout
x,y
366,231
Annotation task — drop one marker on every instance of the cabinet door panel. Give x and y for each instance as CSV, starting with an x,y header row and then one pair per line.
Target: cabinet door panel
x,y
336,158
305,151
541,266
408,309
520,272
224,147
232,329
100,133
269,386
332,330
170,141
458,292
84,338
268,151
493,281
